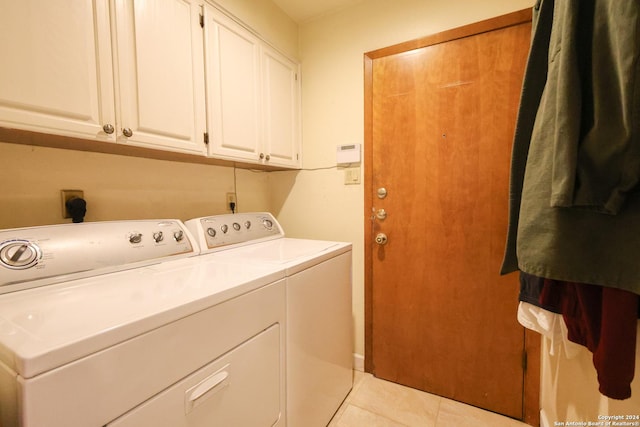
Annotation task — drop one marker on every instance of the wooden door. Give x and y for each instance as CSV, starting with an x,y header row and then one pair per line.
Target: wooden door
x,y
442,119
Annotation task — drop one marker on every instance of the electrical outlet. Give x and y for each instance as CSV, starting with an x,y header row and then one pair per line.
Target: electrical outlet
x,y
65,196
231,198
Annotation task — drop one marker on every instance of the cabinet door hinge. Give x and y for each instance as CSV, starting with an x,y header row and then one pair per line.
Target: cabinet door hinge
x,y
202,20
524,360
206,138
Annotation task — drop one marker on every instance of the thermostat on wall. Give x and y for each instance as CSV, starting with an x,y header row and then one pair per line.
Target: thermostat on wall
x,y
348,154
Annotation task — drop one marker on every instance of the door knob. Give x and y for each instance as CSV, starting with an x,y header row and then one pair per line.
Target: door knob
x,y
381,239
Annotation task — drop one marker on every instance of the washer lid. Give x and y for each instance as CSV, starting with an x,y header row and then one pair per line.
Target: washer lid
x,y
47,327
291,254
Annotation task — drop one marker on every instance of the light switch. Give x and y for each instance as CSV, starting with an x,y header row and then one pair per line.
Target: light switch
x,y
351,176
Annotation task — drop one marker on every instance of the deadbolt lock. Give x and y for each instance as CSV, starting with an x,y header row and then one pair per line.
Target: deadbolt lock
x,y
381,214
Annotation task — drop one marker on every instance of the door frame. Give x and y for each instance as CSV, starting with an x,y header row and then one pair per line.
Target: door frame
x,y
531,388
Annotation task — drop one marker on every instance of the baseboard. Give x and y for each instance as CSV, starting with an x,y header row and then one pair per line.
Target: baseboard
x,y
358,362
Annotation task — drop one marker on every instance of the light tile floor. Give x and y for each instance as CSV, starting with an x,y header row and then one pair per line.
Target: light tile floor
x,y
377,403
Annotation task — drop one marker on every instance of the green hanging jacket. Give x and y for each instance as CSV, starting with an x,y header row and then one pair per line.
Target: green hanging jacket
x,y
575,173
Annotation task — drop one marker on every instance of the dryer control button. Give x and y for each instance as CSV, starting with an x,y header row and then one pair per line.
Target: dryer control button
x,y
236,226
247,224
268,224
19,254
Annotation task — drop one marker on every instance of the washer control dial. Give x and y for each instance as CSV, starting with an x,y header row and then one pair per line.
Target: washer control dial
x,y
268,224
224,228
236,226
135,238
247,224
19,254
158,236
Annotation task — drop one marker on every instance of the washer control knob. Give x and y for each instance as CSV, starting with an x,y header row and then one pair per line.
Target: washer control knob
x,y
247,224
268,224
135,238
224,228
158,236
236,226
19,254
211,232
178,235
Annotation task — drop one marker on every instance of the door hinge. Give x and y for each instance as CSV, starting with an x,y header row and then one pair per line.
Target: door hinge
x,y
206,138
524,360
202,20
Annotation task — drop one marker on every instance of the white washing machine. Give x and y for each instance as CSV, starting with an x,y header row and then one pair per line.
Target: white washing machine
x,y
319,337
120,324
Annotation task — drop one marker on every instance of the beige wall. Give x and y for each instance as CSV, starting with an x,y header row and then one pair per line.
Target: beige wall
x,y
570,388
117,187
266,19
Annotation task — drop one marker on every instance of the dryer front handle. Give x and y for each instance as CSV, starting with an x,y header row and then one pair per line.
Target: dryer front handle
x,y
206,389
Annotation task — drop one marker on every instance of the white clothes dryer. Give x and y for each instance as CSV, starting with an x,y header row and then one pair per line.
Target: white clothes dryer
x,y
319,334
120,324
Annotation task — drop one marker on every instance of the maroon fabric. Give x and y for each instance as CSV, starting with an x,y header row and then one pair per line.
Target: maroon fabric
x,y
605,321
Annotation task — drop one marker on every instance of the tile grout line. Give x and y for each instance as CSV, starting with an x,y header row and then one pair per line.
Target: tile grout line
x,y
435,422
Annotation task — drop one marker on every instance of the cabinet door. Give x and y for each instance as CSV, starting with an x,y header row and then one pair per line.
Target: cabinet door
x,y
232,56
56,73
159,74
281,106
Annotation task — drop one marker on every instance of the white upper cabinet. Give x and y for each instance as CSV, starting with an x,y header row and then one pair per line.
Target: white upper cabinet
x,y
146,73
159,74
56,72
232,59
281,106
252,96
68,69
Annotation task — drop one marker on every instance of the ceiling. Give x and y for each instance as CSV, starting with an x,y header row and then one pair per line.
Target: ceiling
x,y
305,10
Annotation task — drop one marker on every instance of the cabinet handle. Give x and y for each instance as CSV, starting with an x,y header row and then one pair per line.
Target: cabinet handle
x,y
268,157
261,156
127,132
108,128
